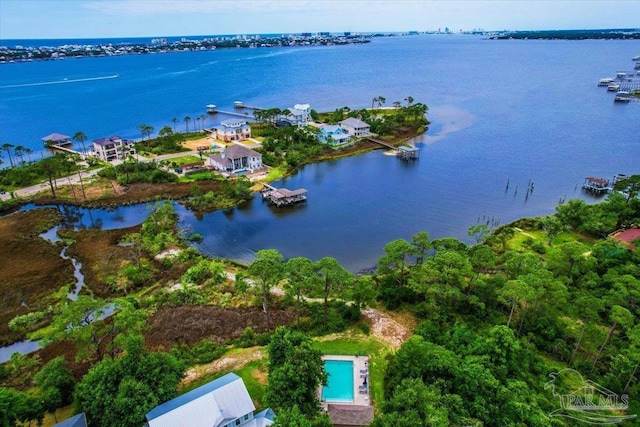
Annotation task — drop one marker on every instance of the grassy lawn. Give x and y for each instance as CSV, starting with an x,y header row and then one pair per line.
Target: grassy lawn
x,y
200,176
184,160
517,242
60,415
275,174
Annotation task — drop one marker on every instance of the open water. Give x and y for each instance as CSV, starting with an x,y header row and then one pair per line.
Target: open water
x,y
501,111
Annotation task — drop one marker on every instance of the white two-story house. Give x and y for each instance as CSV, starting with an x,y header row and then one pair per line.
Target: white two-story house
x,y
355,127
299,115
232,130
113,148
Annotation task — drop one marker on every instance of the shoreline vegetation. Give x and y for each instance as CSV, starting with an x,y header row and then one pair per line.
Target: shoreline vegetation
x,y
27,51
284,149
532,297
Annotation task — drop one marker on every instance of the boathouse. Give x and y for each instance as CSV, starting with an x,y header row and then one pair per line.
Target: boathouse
x,y
596,185
408,153
56,139
283,197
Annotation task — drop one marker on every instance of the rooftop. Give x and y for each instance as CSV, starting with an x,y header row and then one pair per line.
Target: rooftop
x,y
354,123
56,137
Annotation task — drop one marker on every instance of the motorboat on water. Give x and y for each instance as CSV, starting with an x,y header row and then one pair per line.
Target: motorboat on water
x,y
605,82
622,96
613,87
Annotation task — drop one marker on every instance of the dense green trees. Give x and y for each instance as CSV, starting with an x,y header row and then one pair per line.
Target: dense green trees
x,y
499,318
119,392
296,370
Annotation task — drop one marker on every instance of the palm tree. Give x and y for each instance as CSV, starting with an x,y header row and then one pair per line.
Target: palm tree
x,y
203,118
187,119
7,147
197,121
373,102
381,100
18,151
174,120
81,138
409,100
28,152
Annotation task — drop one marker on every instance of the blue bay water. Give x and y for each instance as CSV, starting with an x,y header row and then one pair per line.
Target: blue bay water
x,y
500,110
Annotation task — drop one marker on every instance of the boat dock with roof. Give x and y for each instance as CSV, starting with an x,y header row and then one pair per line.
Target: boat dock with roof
x,y
597,185
283,197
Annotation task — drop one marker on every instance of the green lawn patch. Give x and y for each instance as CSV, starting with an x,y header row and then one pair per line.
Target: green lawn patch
x,y
184,160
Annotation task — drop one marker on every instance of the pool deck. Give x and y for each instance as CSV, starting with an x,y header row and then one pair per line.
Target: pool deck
x,y
360,373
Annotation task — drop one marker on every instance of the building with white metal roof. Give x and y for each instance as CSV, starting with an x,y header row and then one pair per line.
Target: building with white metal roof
x,y
224,402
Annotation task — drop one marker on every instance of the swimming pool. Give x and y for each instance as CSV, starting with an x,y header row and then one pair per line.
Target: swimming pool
x,y
339,386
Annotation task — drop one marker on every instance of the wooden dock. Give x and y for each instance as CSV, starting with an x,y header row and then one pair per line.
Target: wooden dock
x,y
283,197
404,152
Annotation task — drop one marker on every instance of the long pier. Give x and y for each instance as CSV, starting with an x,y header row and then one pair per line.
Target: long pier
x,y
65,149
234,113
283,197
404,152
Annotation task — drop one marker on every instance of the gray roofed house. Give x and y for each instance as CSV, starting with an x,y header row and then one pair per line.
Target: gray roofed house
x,y
224,402
355,127
79,420
236,158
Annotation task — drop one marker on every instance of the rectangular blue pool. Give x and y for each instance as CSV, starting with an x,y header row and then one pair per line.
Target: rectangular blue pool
x,y
339,386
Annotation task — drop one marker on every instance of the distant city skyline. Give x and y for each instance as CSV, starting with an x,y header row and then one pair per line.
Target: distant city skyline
x,y
51,19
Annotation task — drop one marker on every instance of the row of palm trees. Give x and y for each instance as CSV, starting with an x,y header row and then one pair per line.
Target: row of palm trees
x,y
380,100
198,120
14,152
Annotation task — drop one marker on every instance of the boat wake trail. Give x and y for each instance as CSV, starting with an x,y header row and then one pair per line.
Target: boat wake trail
x,y
88,79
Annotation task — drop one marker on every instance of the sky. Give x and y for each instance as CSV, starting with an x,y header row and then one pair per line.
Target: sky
x,y
35,19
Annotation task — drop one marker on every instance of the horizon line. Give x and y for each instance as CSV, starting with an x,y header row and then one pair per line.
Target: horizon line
x,y
317,32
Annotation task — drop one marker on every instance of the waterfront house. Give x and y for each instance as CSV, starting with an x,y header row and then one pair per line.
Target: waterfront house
x,y
56,139
355,127
113,148
79,420
232,130
236,158
299,115
224,402
333,135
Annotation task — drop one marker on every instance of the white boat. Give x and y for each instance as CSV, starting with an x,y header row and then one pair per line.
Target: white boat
x,y
605,82
238,104
613,87
622,96
636,58
211,108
